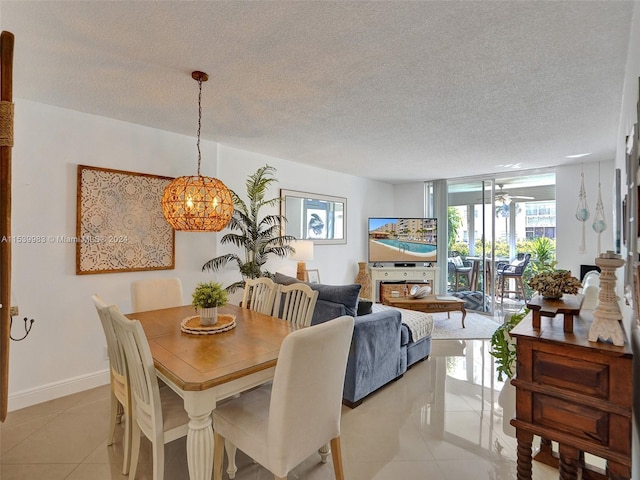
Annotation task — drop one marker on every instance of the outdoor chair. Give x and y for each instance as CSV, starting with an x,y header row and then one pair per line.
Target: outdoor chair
x,y
513,270
460,268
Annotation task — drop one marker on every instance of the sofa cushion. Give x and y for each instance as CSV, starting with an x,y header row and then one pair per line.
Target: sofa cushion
x,y
345,295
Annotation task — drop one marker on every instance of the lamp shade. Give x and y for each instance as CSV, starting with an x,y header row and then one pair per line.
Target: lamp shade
x,y
197,204
303,250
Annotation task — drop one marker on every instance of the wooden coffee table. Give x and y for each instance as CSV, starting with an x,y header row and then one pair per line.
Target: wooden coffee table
x,y
428,304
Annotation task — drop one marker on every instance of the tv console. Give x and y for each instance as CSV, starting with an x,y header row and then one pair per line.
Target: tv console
x,y
396,274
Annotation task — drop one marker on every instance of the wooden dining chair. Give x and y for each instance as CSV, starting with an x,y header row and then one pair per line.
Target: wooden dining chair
x,y
120,394
158,413
259,294
295,303
282,425
156,293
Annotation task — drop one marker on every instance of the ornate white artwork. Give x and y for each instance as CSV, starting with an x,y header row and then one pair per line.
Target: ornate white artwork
x,y
119,225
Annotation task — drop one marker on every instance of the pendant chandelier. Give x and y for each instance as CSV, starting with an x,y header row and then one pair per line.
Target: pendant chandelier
x,y
197,203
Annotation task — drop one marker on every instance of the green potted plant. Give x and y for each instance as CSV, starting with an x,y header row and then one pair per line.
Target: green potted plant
x,y
555,283
503,349
206,299
259,237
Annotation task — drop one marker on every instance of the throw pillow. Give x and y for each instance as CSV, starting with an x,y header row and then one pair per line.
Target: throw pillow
x,y
346,295
364,306
457,262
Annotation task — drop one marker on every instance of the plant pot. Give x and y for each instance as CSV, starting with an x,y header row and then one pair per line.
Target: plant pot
x,y
507,400
551,296
208,316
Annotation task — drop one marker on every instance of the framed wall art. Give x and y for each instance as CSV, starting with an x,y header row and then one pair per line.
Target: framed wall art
x,y
119,222
310,216
313,276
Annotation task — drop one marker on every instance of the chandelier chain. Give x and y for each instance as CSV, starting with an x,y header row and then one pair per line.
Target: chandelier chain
x,y
199,120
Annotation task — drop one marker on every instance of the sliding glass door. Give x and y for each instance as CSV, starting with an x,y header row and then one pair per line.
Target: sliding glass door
x,y
491,223
470,242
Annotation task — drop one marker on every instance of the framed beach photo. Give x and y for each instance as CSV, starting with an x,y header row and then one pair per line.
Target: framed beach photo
x,y
313,276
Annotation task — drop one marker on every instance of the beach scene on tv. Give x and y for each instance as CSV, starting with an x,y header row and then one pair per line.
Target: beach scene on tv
x,y
402,239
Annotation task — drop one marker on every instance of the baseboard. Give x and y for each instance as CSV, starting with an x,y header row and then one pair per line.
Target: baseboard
x,y
51,391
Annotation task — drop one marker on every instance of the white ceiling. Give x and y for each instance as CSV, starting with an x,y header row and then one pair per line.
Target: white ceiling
x,y
395,91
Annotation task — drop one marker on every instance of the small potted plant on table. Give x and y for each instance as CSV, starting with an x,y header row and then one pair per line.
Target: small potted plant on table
x,y
207,297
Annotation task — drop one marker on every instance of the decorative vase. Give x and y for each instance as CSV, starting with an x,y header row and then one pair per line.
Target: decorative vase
x,y
208,316
364,279
507,400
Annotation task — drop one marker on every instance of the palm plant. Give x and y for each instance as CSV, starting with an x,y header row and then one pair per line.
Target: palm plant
x,y
259,237
543,250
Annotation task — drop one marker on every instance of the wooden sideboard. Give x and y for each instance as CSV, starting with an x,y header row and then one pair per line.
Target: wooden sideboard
x,y
397,274
576,393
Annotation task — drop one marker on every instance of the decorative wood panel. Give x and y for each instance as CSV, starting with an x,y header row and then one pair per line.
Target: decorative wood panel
x,y
119,225
6,97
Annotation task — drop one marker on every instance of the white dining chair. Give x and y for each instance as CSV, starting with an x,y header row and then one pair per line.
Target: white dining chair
x,y
156,293
295,303
282,425
259,294
158,413
120,394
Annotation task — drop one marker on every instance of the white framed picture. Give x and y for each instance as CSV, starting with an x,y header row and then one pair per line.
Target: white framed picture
x,y
313,276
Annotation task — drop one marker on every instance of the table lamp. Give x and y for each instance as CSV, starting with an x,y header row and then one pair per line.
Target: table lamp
x,y
303,252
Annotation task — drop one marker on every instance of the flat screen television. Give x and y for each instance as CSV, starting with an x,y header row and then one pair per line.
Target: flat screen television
x,y
403,240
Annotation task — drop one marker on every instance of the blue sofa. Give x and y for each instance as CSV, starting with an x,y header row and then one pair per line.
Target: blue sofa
x,y
381,349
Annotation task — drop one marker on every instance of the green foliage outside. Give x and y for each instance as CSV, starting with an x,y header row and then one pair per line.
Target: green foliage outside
x,y
208,295
460,247
259,237
454,222
543,254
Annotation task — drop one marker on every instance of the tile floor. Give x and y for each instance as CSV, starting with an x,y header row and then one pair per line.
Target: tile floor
x,y
441,421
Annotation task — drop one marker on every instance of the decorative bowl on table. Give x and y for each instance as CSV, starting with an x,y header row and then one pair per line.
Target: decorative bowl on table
x,y
419,292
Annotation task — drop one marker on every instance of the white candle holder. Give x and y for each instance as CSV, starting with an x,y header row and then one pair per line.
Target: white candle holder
x,y
606,325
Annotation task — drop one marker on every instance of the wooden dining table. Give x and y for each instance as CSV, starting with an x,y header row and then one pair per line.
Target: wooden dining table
x,y
204,369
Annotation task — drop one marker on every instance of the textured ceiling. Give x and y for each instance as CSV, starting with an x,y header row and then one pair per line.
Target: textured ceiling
x,y
395,91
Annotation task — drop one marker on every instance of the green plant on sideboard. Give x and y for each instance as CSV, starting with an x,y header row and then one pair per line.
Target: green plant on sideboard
x,y
259,237
503,348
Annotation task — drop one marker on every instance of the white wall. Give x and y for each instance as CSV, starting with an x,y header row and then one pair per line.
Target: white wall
x,y
65,351
569,229
409,200
628,117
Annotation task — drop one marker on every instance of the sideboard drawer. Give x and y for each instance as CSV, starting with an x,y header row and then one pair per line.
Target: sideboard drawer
x,y
587,378
580,421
